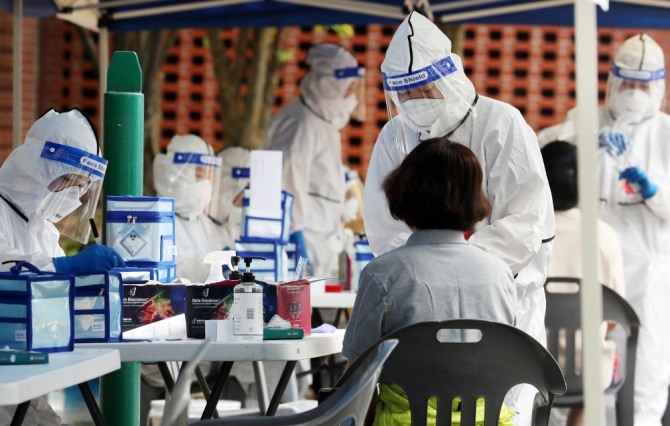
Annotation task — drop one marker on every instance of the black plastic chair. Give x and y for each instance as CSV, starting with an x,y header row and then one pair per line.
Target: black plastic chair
x,y
563,313
349,402
425,365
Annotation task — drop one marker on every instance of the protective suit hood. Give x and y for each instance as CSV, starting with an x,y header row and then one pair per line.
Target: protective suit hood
x,y
424,82
640,61
176,175
25,175
332,71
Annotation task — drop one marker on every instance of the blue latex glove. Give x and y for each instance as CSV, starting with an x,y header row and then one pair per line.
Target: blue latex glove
x,y
614,142
94,258
299,239
645,187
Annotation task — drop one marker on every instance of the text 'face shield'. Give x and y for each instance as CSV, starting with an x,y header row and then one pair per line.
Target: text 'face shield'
x,y
71,199
430,102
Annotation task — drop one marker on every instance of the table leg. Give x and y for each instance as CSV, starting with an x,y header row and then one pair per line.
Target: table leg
x,y
93,408
281,387
220,382
167,376
20,413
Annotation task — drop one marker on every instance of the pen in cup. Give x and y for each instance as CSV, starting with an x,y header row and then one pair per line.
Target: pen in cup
x,y
94,229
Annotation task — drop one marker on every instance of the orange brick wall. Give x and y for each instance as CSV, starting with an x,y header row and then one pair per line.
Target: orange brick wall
x,y
529,67
29,78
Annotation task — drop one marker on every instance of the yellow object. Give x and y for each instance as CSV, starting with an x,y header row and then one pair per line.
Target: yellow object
x,y
393,409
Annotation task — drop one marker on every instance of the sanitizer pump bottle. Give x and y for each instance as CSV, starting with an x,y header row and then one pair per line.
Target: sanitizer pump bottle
x,y
248,321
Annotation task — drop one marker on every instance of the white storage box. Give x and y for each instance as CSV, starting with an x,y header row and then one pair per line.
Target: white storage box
x,y
273,268
363,257
36,309
142,228
255,228
97,308
164,272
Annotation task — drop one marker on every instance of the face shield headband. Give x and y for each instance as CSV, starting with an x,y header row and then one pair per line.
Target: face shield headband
x,y
197,159
71,199
642,76
410,80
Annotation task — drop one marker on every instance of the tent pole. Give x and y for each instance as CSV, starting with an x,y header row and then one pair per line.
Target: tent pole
x,y
17,74
587,128
653,3
103,64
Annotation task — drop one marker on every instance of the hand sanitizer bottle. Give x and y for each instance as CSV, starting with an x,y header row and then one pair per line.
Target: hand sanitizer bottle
x,y
248,320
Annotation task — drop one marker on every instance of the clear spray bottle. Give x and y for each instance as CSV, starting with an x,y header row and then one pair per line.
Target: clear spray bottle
x,y
248,305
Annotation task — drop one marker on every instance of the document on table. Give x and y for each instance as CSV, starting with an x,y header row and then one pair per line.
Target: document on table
x,y
169,328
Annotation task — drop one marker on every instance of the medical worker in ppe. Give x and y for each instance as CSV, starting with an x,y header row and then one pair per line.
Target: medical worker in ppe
x,y
49,186
187,172
428,95
307,131
633,162
235,175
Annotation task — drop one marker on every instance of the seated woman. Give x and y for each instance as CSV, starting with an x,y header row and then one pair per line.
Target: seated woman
x,y
436,275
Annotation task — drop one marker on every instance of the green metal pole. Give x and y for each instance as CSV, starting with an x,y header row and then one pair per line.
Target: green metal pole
x,y
124,151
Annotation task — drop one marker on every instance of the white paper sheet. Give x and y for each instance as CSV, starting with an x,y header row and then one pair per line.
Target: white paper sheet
x,y
265,183
173,327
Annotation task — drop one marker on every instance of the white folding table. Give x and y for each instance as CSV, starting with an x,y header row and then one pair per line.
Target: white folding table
x,y
291,351
21,383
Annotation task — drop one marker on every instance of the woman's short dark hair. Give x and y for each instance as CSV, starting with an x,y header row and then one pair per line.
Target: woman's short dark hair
x,y
560,162
438,186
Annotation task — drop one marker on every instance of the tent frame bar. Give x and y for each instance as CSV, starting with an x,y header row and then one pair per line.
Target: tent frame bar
x,y
361,7
121,3
505,9
176,8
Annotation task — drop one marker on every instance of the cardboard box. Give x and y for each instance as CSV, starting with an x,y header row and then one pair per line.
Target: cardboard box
x,y
294,305
207,302
147,303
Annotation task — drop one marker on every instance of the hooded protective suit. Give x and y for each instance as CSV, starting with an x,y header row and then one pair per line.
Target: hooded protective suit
x,y
307,132
28,230
234,178
643,224
186,173
25,232
521,225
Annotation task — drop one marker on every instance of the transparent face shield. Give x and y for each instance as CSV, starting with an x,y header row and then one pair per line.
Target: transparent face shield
x,y
194,176
634,95
430,102
356,90
71,199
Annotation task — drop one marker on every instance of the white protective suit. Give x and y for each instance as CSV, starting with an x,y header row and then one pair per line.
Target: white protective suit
x,y
24,178
521,225
643,225
23,235
307,131
234,178
196,233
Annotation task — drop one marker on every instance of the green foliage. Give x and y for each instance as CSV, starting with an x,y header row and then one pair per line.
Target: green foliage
x,y
342,30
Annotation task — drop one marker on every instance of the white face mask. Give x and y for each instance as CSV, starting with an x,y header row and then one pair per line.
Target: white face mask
x,y
194,200
631,104
56,205
420,114
339,113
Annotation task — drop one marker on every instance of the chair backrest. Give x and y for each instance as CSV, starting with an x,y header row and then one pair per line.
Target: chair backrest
x,y
349,402
563,313
425,365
